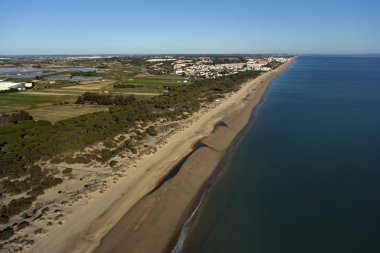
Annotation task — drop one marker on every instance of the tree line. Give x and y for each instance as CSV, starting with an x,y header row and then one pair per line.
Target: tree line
x,y
104,99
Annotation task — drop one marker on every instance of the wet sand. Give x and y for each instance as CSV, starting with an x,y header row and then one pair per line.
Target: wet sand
x,y
154,222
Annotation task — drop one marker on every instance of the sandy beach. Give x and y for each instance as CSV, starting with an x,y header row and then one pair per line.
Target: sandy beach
x,y
151,223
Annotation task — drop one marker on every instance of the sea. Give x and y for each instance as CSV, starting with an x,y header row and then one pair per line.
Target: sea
x,y
305,175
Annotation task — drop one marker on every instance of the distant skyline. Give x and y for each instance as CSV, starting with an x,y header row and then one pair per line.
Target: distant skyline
x,y
189,27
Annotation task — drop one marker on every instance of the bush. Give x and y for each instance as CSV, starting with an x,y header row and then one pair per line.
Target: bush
x,y
6,233
38,231
57,160
4,218
16,206
128,85
45,210
22,225
46,183
67,171
14,187
109,144
105,155
14,118
151,131
113,163
105,99
128,144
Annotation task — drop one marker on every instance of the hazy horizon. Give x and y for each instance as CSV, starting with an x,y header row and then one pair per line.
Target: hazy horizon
x,y
192,54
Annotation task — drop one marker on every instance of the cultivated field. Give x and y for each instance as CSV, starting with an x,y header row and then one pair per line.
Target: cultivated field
x,y
49,96
92,86
149,85
57,113
25,100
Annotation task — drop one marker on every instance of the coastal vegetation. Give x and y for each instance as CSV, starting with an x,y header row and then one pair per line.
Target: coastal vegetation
x,y
153,84
26,142
14,117
272,65
6,233
105,99
128,85
34,184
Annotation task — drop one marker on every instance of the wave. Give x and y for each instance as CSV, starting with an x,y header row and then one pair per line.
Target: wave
x,y
185,229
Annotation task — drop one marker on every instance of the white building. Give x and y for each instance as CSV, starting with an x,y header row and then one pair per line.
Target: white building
x,y
28,85
9,85
159,60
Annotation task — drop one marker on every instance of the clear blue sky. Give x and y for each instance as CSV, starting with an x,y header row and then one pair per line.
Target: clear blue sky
x,y
184,26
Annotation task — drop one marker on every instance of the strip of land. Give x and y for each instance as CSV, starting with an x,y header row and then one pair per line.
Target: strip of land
x,y
148,223
153,224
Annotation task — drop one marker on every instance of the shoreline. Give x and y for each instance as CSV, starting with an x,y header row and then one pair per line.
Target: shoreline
x,y
154,223
177,243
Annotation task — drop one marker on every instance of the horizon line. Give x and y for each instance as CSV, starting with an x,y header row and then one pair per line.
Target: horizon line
x,y
192,54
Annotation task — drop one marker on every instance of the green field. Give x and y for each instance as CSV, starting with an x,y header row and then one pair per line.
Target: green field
x,y
57,113
141,90
47,95
54,94
24,100
120,73
150,84
56,85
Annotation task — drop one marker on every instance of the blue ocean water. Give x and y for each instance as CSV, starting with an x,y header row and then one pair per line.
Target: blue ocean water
x,y
306,176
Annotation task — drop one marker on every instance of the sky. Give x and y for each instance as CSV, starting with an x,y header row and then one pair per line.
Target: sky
x,y
189,26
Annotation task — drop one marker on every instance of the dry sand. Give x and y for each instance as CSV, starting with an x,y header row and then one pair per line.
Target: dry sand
x,y
154,222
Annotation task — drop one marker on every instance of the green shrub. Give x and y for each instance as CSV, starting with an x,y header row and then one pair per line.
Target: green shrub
x,y
67,171
6,233
38,231
22,225
151,131
16,206
113,163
